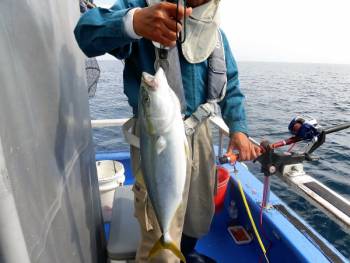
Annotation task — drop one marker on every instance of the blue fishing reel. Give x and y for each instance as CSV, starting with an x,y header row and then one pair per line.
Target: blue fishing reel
x,y
305,128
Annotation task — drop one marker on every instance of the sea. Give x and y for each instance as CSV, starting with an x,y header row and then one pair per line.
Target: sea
x,y
275,93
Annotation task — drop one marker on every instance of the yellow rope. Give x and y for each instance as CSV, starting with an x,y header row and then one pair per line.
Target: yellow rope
x,y
251,217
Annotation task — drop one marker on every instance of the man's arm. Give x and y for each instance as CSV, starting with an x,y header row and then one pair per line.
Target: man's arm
x,y
101,30
232,106
233,112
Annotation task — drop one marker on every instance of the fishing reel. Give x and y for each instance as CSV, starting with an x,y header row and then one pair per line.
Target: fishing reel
x,y
304,129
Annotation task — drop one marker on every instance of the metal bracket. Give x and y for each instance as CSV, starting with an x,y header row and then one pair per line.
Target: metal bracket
x,y
273,162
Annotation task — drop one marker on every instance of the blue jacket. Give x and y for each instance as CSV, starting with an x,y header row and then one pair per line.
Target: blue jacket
x,y
101,31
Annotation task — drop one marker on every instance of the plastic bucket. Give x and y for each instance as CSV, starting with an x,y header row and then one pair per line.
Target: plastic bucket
x,y
110,176
223,177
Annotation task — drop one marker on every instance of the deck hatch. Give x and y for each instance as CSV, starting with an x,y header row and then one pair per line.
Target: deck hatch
x,y
331,198
333,257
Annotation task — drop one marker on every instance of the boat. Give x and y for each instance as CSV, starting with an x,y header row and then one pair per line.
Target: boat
x,y
49,191
287,237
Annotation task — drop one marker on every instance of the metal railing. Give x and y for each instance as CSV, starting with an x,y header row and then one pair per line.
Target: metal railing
x,y
216,121
107,123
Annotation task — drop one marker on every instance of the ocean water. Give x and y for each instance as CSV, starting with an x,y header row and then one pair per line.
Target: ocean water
x,y
275,93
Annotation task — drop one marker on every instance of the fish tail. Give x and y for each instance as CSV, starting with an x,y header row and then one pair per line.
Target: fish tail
x,y
170,245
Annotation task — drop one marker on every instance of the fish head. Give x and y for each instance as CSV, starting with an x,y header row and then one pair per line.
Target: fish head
x,y
156,103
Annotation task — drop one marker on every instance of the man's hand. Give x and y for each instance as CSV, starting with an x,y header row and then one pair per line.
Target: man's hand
x,y
247,150
158,22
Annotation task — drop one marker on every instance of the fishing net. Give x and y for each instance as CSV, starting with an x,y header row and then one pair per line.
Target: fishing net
x,y
91,65
92,75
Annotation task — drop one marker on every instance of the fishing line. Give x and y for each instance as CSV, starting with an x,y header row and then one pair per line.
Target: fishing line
x,y
291,147
181,37
261,222
250,214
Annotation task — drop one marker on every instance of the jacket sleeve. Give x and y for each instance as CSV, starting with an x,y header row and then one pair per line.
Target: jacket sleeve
x,y
232,106
101,30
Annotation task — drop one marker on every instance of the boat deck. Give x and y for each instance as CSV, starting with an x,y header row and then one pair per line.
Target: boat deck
x,y
218,244
283,238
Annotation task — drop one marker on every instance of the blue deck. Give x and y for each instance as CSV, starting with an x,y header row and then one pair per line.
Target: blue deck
x,y
284,240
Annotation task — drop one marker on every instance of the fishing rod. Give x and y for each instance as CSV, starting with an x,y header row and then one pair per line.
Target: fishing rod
x,y
303,129
337,128
305,132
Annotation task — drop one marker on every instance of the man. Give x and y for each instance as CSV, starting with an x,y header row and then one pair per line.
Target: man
x,y
127,31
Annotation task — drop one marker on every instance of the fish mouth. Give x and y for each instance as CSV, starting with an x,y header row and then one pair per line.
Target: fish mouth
x,y
149,81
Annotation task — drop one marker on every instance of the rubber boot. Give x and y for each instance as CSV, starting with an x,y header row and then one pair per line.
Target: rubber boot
x,y
192,256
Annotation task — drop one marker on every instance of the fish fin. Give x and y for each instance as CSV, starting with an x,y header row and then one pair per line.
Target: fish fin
x,y
176,251
160,244
156,248
160,144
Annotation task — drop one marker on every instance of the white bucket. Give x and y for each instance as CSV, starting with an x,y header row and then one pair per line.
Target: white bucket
x,y
110,175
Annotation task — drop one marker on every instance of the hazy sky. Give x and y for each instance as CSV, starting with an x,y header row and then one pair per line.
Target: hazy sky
x,y
291,31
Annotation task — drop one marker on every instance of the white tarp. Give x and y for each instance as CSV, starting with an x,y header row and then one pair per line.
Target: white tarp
x,y
49,202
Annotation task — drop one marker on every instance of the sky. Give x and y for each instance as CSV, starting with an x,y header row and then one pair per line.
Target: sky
x,y
309,31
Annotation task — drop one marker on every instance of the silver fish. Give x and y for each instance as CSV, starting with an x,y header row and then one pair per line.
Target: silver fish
x,y
163,147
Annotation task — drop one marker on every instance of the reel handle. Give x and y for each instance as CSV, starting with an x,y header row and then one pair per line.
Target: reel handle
x,y
229,158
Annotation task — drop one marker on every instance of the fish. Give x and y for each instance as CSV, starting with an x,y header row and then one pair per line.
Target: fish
x,y
163,151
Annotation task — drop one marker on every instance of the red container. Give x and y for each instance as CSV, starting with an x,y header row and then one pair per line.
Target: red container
x,y
223,176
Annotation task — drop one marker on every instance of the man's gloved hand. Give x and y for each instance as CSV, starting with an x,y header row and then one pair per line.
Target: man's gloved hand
x,y
158,22
247,150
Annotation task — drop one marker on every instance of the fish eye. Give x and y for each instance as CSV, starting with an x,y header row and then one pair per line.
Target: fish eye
x,y
146,99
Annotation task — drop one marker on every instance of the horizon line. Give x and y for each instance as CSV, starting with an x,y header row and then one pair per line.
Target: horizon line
x,y
259,61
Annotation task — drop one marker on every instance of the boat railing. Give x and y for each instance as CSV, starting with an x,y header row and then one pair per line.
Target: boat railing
x,y
102,123
216,121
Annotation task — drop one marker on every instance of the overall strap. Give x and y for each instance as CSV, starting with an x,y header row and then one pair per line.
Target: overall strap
x,y
217,82
168,60
203,112
217,72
